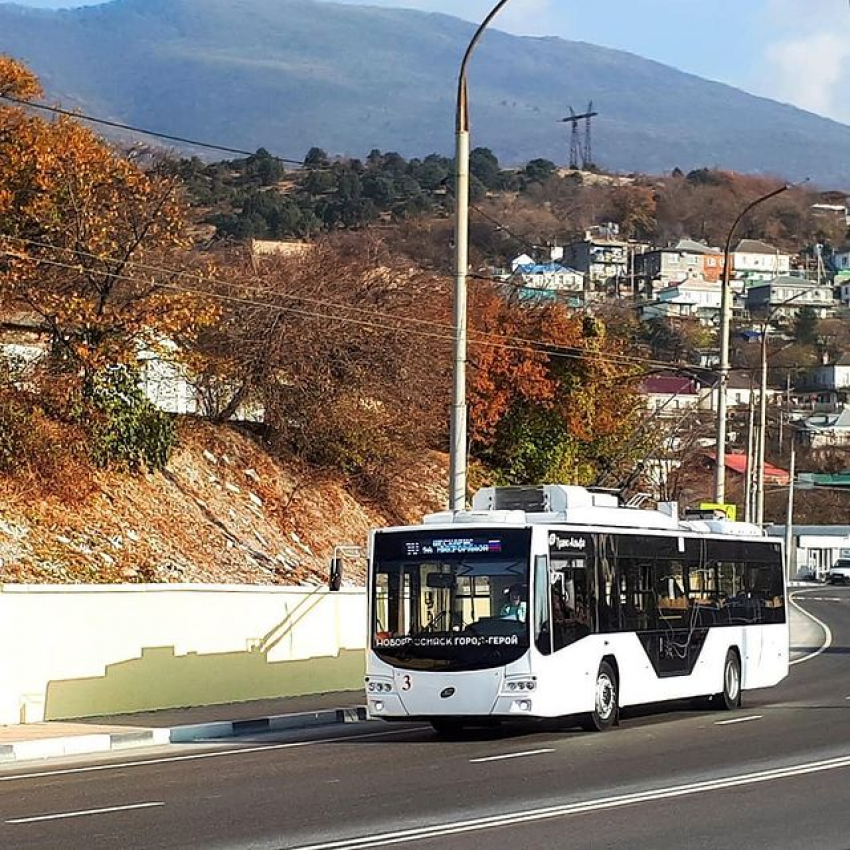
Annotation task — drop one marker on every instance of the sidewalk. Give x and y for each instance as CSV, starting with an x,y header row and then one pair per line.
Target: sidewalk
x,y
55,738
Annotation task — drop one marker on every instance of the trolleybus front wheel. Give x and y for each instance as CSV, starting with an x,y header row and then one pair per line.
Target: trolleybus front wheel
x,y
604,714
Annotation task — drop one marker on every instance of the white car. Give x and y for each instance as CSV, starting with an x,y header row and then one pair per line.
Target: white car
x,y
839,572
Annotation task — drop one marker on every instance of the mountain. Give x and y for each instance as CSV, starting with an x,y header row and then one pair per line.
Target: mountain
x,y
290,74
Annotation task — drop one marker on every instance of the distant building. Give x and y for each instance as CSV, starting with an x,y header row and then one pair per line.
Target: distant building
x,y
24,338
601,256
831,376
670,395
741,389
737,462
658,268
826,429
693,298
279,248
775,297
754,261
552,280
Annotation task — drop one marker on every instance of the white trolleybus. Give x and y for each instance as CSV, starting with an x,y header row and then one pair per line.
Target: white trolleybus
x,y
554,600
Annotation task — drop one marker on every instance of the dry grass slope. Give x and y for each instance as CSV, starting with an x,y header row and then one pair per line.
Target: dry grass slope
x,y
223,511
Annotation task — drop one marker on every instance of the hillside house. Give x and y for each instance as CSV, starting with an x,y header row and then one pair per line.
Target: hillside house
x,y
670,395
774,297
658,268
831,376
546,280
757,261
741,389
694,298
601,256
826,429
736,463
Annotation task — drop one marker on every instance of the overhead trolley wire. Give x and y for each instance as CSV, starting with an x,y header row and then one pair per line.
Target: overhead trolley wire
x,y
119,125
497,341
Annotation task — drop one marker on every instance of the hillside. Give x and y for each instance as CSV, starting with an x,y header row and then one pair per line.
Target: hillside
x,y
290,74
223,511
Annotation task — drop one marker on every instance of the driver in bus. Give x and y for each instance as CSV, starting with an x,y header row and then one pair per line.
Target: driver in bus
x,y
515,608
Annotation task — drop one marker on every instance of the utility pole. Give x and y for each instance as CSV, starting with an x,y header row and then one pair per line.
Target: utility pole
x,y
790,557
457,447
723,381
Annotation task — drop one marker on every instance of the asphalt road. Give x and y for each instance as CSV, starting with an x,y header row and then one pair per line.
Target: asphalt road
x,y
775,774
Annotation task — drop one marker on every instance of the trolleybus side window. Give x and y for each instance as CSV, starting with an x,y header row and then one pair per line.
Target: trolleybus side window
x,y
571,602
673,605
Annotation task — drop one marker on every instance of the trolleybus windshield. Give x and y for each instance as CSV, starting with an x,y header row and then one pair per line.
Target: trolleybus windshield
x,y
451,600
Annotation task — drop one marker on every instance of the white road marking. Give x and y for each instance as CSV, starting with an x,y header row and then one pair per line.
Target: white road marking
x,y
738,720
827,633
512,755
86,812
826,598
620,801
228,753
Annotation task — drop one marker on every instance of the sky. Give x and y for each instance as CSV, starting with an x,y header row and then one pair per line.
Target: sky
x,y
794,51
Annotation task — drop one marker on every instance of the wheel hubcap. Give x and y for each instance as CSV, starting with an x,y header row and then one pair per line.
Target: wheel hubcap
x,y
732,680
604,696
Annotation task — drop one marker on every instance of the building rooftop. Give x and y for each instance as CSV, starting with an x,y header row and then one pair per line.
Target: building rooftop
x,y
753,246
669,385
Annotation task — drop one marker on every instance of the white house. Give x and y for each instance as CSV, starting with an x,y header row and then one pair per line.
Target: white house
x,y
754,260
785,296
550,278
832,376
670,395
826,429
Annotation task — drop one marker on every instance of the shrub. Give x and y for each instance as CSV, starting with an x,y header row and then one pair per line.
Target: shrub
x,y
125,429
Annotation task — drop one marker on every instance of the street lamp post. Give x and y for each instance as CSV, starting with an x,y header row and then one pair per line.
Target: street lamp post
x,y
762,430
725,315
457,453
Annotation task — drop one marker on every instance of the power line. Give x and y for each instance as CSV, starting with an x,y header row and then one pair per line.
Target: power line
x,y
194,142
518,343
530,346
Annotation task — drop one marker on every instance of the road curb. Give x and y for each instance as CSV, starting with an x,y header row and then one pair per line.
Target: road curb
x,y
75,745
102,742
273,723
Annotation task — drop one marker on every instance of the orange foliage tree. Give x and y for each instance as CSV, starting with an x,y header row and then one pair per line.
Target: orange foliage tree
x,y
552,397
85,235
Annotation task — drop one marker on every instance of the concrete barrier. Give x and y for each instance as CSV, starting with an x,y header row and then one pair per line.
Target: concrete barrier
x,y
71,651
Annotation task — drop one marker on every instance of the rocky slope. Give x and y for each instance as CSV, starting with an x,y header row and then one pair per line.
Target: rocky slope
x,y
223,511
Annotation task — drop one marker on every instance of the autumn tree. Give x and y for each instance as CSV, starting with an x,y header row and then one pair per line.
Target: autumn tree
x,y
86,243
346,350
550,397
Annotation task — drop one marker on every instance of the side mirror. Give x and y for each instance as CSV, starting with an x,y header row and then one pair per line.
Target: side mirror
x,y
335,574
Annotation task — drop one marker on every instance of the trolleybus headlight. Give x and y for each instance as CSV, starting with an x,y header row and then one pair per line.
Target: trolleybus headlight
x,y
521,684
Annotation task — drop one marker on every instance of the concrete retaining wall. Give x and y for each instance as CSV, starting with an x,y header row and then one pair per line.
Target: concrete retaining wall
x,y
71,651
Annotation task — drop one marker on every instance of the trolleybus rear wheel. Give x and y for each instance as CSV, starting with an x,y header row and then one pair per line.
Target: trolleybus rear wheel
x,y
730,697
